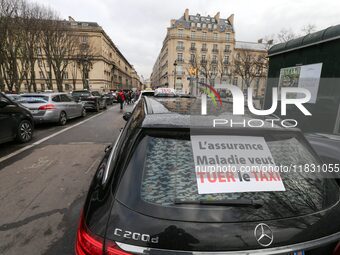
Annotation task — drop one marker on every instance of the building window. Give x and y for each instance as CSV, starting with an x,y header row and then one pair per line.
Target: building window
x,y
204,25
192,57
41,75
227,48
67,86
228,37
203,57
192,24
39,51
193,45
204,46
65,75
209,25
235,81
180,33
84,39
214,58
215,36
193,34
179,56
42,87
204,37
198,25
40,64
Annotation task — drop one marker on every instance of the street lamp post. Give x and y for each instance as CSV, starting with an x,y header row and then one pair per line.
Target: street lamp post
x,y
175,77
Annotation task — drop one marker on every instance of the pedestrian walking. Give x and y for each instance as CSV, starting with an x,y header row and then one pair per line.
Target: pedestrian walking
x,y
121,99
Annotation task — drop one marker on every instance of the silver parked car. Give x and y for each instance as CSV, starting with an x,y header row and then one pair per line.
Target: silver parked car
x,y
52,107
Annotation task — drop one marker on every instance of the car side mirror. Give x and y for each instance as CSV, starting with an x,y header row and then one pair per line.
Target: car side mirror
x,y
127,116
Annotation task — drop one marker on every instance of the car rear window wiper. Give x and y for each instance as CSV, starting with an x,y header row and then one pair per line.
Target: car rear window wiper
x,y
226,202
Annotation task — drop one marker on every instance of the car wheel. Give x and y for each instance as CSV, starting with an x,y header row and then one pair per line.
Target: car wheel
x,y
25,131
83,112
62,119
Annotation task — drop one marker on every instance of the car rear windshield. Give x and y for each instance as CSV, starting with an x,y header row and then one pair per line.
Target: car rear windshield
x,y
81,93
168,175
33,99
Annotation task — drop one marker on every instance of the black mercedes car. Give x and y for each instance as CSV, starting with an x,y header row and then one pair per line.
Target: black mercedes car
x,y
145,197
92,100
16,122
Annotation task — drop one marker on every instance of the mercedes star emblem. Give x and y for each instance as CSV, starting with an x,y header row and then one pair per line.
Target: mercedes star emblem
x,y
263,234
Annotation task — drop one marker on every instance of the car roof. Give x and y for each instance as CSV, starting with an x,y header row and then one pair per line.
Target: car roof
x,y
179,112
44,94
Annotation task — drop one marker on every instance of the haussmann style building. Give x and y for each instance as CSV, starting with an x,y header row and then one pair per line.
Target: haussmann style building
x,y
204,49
109,68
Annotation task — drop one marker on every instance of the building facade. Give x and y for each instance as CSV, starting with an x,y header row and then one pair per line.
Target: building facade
x,y
108,69
203,49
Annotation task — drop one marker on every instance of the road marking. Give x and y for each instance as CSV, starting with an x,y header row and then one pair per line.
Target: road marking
x,y
46,138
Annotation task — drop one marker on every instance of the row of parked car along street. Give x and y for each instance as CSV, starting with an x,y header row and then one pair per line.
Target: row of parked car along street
x,y
20,112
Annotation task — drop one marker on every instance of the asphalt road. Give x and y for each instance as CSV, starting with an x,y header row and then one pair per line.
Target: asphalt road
x,y
42,189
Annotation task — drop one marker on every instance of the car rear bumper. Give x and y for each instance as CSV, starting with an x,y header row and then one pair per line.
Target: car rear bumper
x,y
48,116
281,250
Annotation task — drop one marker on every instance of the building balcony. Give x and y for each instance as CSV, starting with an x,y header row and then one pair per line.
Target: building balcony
x,y
179,60
226,51
215,50
204,49
180,48
203,62
193,48
225,62
214,62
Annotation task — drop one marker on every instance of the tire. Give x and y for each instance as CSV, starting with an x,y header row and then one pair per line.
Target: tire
x,y
62,119
97,107
25,131
105,106
83,112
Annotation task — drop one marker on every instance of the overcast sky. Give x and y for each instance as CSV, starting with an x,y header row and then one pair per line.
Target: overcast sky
x,y
138,27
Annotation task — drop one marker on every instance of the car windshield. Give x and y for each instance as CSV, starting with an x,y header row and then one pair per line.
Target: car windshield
x,y
169,176
95,93
81,93
33,99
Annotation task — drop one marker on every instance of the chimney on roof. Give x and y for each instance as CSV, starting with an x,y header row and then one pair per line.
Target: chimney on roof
x,y
186,14
172,22
231,19
70,18
260,40
217,17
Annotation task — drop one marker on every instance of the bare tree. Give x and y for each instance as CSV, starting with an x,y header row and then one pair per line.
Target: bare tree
x,y
59,45
12,70
285,35
308,29
249,66
85,60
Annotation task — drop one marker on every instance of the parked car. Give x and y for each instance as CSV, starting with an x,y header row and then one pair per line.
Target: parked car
x,y
52,107
16,122
92,100
110,98
144,197
13,97
326,145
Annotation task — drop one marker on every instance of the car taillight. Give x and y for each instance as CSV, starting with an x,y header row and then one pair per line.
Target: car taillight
x,y
89,244
113,249
47,107
337,249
